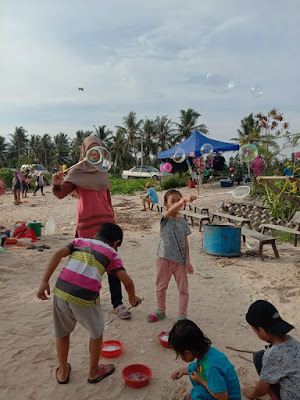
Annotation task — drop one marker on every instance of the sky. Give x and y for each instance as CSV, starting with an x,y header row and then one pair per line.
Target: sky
x,y
148,57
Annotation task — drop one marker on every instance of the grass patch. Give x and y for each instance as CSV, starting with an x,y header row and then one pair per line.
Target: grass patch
x,y
126,186
283,236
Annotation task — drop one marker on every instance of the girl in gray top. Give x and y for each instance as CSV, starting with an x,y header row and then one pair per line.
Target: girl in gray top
x,y
173,255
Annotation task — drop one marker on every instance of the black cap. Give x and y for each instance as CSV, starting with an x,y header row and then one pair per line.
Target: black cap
x,y
263,314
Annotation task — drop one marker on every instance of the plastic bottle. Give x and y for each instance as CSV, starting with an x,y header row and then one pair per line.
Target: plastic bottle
x,y
50,227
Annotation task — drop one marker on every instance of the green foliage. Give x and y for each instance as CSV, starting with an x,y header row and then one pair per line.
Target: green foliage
x,y
174,181
6,175
127,186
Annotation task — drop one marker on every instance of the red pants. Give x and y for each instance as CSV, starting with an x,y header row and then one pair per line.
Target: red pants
x,y
165,270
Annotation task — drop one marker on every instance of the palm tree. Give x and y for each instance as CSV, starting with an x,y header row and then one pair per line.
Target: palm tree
x,y
61,149
77,142
47,147
34,148
104,134
3,148
148,144
188,124
249,132
19,142
164,131
120,154
131,130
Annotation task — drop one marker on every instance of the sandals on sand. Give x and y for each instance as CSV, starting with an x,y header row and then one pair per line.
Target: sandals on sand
x,y
104,374
68,377
120,310
157,316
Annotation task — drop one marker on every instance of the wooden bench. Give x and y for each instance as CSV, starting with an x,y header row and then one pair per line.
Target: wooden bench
x,y
295,232
263,239
203,210
193,216
241,220
159,207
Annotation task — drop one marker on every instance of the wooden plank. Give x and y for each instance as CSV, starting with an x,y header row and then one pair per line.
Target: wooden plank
x,y
232,217
281,228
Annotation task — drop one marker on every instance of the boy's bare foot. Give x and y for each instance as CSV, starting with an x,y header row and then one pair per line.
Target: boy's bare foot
x,y
100,372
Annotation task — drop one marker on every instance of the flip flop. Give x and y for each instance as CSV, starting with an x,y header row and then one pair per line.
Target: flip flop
x,y
104,366
120,309
68,377
157,316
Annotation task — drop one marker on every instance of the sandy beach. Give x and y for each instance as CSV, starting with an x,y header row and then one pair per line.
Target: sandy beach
x,y
221,291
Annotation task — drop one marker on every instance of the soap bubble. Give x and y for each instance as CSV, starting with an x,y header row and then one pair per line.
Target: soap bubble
x,y
256,91
179,156
219,82
99,157
206,148
248,152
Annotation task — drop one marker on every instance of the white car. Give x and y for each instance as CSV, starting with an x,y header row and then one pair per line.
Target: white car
x,y
143,172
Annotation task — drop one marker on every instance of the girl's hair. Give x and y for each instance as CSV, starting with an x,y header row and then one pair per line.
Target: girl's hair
x,y
111,232
186,335
170,192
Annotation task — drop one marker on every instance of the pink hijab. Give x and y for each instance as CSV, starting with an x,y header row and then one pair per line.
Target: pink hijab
x,y
257,165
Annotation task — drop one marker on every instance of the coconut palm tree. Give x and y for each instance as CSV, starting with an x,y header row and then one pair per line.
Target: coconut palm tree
x,y
131,130
77,142
187,125
164,132
61,149
34,148
104,134
3,148
46,146
119,151
249,132
147,140
19,142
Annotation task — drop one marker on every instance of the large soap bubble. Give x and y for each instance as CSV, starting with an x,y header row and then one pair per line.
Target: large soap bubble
x,y
219,82
179,156
248,152
206,148
256,91
99,157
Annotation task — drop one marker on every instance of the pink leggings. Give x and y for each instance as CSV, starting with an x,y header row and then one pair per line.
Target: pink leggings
x,y
165,270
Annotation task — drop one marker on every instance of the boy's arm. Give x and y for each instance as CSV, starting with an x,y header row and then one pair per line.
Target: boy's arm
x,y
53,263
129,286
260,389
177,206
187,257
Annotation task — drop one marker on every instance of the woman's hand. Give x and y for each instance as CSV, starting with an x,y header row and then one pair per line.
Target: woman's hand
x,y
191,198
58,178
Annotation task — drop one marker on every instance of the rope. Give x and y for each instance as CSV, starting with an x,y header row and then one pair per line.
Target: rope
x,y
287,182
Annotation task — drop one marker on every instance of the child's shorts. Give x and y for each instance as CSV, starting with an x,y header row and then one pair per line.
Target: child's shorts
x,y
257,361
65,316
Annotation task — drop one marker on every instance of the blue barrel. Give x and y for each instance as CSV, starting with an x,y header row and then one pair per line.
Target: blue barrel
x,y
222,240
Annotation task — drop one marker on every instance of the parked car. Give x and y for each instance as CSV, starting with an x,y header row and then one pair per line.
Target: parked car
x,y
35,168
143,172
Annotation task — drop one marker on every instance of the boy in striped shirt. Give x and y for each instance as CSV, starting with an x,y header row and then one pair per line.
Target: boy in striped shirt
x,y
76,295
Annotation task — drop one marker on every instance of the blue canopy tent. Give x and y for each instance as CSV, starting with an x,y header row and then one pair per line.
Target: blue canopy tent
x,y
193,144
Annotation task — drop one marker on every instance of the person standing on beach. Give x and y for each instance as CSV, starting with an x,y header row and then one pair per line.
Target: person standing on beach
x,y
16,186
40,183
94,207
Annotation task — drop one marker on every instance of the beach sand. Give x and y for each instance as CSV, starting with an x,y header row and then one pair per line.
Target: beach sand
x,y
221,291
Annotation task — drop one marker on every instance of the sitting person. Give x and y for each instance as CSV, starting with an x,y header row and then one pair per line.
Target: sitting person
x,y
212,375
150,198
279,365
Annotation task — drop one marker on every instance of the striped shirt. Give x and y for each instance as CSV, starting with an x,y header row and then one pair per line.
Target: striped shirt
x,y
79,281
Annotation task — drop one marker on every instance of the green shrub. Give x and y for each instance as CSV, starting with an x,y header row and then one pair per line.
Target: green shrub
x,y
6,175
174,181
127,186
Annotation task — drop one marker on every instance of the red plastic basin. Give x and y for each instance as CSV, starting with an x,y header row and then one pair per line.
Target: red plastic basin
x,y
136,375
111,348
162,338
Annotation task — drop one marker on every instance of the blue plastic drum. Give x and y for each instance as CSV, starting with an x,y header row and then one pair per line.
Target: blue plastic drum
x,y
222,240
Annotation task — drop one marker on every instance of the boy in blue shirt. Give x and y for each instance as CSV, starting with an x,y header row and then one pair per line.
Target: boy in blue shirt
x,y
150,198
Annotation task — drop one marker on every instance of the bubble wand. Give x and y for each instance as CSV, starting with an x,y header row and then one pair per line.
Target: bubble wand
x,y
127,309
239,193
